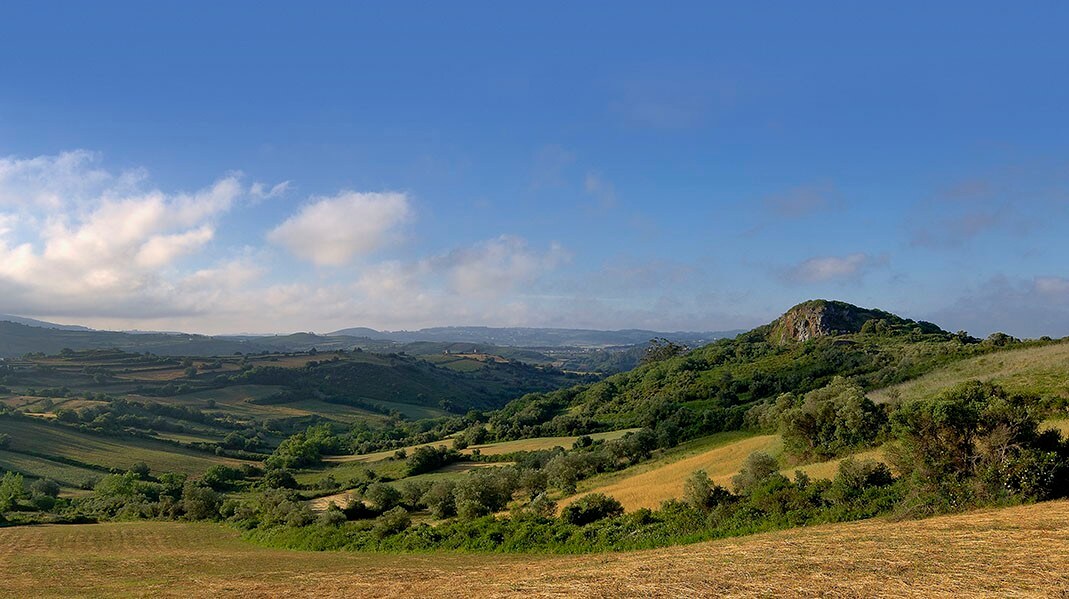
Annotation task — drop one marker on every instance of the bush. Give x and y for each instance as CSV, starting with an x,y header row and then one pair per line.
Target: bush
x,y
441,500
758,468
829,421
485,492
976,443
12,489
427,459
591,508
391,522
333,516
277,478
855,477
44,487
200,502
383,496
703,494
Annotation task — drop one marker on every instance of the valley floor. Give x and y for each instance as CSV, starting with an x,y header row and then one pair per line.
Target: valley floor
x,y
1013,552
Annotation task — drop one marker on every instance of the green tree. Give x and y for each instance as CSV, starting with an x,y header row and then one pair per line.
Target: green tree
x,y
12,490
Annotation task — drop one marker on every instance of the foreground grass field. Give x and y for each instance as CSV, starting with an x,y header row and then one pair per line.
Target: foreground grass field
x,y
1013,552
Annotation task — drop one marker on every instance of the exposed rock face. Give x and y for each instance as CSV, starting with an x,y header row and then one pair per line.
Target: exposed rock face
x,y
822,318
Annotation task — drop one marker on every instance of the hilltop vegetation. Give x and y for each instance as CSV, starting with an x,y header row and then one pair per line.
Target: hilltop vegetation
x,y
710,389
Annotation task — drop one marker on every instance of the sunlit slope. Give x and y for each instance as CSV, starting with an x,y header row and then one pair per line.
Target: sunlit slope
x,y
1040,370
1020,552
646,486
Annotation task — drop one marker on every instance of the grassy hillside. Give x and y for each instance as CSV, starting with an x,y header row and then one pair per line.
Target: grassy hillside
x,y
45,440
647,485
709,389
1042,370
1019,551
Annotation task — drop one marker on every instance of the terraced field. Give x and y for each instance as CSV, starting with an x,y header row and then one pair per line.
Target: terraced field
x,y
1012,552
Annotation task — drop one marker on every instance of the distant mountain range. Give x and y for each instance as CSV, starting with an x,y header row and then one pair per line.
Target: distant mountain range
x,y
20,335
535,337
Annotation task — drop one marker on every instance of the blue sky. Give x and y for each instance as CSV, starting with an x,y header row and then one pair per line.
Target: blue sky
x,y
225,167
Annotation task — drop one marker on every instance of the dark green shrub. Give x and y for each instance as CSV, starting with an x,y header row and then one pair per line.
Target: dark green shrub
x,y
591,508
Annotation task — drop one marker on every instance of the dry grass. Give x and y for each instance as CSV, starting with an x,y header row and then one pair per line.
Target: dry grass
x,y
830,468
539,443
1038,370
649,488
1014,552
1060,425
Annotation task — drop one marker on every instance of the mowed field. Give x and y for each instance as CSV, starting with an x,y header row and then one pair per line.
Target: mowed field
x,y
1039,370
1011,552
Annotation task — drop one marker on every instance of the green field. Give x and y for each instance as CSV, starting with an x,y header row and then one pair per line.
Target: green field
x,y
66,475
49,440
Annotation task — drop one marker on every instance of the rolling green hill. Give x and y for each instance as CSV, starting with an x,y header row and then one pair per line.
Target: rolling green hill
x,y
710,388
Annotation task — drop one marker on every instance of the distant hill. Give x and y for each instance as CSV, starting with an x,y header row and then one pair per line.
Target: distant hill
x,y
537,337
577,350
32,322
18,339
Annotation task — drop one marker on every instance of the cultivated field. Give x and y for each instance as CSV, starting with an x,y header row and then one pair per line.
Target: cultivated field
x,y
1039,370
1013,552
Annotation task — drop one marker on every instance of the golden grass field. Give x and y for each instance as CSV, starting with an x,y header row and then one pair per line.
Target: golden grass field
x,y
1031,370
649,487
1011,552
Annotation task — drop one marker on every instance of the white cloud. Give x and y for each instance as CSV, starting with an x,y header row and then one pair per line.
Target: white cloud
x,y
332,231
258,191
1052,286
495,266
833,268
164,249
82,240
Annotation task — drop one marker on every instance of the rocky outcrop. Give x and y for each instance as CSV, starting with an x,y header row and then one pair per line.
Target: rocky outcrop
x,y
823,318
